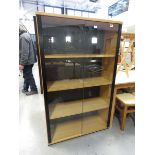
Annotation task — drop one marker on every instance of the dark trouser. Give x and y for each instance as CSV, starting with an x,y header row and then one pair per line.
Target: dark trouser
x,y
28,78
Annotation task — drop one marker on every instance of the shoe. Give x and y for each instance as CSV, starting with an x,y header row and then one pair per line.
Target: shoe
x,y
24,91
32,93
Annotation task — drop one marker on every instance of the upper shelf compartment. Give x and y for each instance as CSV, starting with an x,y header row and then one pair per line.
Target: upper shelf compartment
x,y
50,56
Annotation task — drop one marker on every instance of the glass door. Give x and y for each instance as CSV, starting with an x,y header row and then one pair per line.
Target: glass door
x,y
98,76
79,61
65,97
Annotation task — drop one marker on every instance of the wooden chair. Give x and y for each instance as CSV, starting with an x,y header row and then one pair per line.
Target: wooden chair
x,y
125,104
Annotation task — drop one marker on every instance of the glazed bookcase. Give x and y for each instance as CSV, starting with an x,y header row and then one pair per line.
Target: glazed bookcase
x,y
77,64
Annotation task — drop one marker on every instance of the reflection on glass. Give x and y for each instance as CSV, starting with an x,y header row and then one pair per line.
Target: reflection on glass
x,y
94,40
73,68
111,25
93,60
95,26
68,39
51,40
73,39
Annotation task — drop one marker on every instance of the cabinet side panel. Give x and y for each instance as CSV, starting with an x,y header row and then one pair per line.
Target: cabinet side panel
x,y
40,45
114,73
38,55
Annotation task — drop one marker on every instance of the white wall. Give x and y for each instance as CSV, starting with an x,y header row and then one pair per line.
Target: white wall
x,y
128,17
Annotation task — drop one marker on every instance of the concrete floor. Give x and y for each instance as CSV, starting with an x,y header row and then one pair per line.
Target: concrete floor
x,y
33,138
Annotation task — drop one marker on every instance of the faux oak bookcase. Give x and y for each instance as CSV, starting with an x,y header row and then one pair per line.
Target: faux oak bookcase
x,y
78,58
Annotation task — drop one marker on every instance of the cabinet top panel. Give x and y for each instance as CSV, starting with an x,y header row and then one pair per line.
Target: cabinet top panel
x,y
76,17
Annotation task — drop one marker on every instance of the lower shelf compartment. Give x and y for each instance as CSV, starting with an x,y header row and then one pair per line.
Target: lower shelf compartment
x,y
64,109
93,123
66,130
93,104
75,128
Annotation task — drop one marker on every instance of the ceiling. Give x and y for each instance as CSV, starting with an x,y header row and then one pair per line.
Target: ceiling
x,y
100,8
86,5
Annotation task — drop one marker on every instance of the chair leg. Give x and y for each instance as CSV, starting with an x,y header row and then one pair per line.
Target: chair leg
x,y
113,107
133,117
123,120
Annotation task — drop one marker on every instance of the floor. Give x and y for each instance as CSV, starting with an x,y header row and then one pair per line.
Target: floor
x,y
33,138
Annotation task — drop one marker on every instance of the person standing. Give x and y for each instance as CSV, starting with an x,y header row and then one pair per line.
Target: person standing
x,y
27,58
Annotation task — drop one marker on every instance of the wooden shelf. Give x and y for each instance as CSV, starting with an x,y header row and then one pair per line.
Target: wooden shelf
x,y
64,109
64,85
49,56
93,104
75,128
76,83
92,124
96,81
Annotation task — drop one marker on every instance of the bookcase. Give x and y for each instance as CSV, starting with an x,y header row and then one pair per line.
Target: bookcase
x,y
77,63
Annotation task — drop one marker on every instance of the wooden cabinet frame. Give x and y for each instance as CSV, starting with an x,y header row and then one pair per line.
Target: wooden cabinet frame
x,y
87,104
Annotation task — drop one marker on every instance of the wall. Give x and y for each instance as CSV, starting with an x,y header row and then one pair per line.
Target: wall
x,y
128,17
